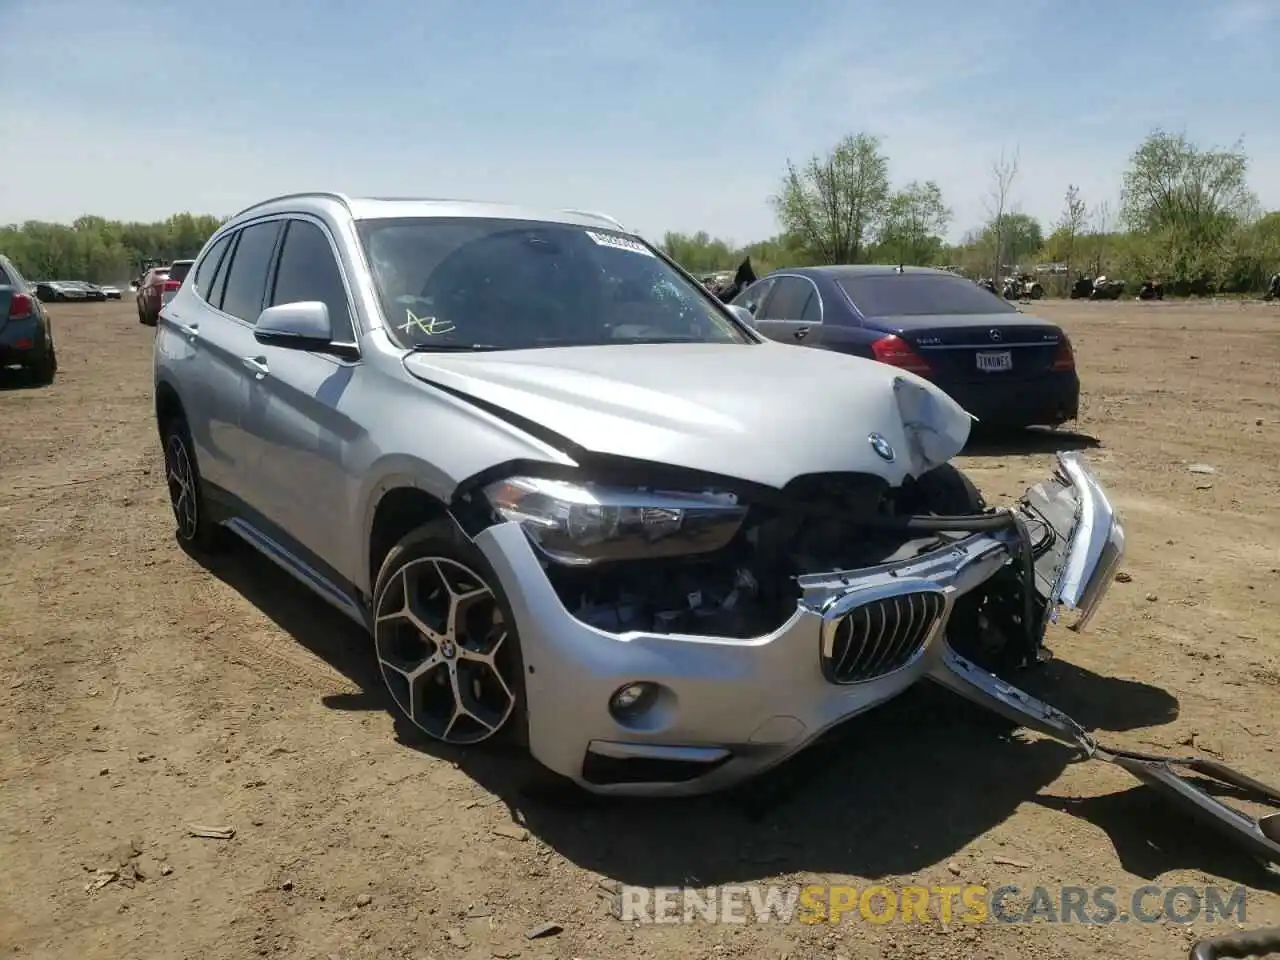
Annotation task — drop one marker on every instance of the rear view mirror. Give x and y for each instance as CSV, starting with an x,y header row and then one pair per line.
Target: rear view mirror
x,y
300,326
744,315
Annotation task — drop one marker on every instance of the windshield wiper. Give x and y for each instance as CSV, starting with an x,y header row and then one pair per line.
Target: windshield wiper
x,y
454,347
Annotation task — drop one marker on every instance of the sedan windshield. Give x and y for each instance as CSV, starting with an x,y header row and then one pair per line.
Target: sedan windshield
x,y
920,295
498,284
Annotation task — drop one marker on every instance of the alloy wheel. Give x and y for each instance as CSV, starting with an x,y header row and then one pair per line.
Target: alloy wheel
x,y
444,650
182,487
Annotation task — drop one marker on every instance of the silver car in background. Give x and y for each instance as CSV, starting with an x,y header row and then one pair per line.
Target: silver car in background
x,y
580,504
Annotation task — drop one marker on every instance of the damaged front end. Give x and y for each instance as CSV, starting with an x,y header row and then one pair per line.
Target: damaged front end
x,y
679,642
736,564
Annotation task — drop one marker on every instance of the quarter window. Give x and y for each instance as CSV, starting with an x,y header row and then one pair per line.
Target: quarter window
x,y
754,295
247,278
209,266
308,271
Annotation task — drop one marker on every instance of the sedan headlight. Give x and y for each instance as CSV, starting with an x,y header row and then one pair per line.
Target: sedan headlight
x,y
581,524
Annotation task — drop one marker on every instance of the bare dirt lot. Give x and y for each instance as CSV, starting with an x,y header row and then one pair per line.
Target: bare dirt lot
x,y
141,693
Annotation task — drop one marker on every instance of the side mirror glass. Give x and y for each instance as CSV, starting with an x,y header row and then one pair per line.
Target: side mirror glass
x,y
301,326
743,314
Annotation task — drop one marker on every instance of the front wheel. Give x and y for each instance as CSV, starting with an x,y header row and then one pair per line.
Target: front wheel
x,y
449,652
446,641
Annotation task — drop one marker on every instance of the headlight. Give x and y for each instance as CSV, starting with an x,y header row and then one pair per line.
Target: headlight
x,y
581,524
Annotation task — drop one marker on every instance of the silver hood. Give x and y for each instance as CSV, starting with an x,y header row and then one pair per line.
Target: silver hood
x,y
764,413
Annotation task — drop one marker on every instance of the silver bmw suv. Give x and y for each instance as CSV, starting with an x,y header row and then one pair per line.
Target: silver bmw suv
x,y
580,504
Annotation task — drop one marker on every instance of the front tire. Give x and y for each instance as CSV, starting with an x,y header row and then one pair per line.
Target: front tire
x,y
446,641
449,652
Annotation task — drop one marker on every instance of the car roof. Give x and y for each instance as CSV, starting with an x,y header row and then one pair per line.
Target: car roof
x,y
397,208
848,271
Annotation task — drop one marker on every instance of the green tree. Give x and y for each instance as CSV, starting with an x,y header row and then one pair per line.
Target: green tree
x,y
1174,185
699,252
836,202
96,249
1070,225
915,218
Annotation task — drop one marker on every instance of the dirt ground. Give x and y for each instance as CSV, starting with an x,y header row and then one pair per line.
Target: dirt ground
x,y
141,693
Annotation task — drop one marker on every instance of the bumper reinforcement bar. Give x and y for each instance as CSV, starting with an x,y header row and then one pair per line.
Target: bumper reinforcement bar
x,y
1260,837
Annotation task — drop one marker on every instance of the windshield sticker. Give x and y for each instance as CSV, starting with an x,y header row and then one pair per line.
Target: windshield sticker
x,y
430,326
619,243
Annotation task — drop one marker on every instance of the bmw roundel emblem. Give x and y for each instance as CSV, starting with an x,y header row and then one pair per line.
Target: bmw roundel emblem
x,y
882,447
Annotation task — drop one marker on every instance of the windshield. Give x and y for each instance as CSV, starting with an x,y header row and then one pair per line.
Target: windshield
x,y
180,270
468,282
919,295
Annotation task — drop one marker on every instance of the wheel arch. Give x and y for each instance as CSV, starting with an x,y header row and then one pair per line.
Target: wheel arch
x,y
400,507
168,402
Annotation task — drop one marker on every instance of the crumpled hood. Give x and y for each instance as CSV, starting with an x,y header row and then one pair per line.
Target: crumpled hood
x,y
765,413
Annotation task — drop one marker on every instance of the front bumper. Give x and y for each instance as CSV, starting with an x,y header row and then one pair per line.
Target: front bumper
x,y
728,708
1048,399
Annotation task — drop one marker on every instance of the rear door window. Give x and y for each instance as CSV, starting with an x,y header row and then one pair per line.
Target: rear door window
x,y
789,299
246,284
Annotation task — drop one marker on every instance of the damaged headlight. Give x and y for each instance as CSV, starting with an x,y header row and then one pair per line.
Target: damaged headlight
x,y
581,524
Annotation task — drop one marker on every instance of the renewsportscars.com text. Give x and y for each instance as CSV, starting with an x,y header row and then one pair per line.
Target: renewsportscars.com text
x,y
965,904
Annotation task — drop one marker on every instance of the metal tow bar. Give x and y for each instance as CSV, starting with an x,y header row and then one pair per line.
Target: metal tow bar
x,y
1252,943
1260,837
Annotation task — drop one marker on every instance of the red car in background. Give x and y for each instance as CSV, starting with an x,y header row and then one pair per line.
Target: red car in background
x,y
157,288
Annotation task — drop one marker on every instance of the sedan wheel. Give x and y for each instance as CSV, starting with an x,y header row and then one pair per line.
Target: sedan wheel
x,y
446,651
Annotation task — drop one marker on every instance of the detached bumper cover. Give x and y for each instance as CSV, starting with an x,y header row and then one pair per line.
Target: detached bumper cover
x,y
729,708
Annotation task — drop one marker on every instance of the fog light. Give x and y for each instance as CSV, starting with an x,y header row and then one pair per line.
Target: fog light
x,y
632,699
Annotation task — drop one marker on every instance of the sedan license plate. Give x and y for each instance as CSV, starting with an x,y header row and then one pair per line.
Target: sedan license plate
x,y
991,362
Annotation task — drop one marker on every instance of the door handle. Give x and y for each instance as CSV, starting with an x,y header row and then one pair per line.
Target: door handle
x,y
190,331
257,365
802,333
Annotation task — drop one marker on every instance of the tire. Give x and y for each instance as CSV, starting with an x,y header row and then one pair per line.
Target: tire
x,y
947,491
141,316
944,491
193,524
436,576
46,368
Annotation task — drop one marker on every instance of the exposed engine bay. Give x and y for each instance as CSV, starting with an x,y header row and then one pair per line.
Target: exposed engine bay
x,y
821,525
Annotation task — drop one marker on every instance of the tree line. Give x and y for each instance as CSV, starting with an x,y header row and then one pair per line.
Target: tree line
x,y
1187,217
100,250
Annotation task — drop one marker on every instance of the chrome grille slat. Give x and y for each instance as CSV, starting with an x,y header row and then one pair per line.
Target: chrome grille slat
x,y
881,636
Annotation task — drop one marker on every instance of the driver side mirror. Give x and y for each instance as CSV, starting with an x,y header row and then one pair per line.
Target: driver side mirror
x,y
303,325
745,316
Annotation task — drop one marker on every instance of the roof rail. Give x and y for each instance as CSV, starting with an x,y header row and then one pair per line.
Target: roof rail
x,y
342,198
599,216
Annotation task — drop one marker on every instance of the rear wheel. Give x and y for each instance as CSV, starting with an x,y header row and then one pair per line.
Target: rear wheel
x,y
193,525
46,368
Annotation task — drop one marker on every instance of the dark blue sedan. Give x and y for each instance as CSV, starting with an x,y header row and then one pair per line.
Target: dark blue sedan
x,y
1007,368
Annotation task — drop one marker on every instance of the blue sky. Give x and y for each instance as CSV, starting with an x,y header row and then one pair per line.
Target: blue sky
x,y
667,115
